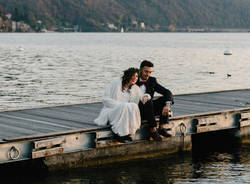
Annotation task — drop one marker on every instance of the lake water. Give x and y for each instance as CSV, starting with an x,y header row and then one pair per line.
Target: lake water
x,y
57,68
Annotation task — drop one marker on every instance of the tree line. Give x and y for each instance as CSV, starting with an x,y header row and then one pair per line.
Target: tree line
x,y
157,15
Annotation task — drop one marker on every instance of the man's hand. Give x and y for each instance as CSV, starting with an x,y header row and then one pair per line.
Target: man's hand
x,y
165,110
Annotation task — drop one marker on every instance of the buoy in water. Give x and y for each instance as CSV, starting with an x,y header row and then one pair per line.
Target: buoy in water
x,y
228,52
20,49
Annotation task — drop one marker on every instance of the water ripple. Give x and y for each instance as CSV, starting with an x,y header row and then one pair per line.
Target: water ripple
x,y
52,70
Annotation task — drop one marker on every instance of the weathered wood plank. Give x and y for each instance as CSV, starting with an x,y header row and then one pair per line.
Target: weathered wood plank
x,y
30,124
245,123
245,115
47,152
54,134
218,98
6,132
190,104
46,119
189,107
94,106
214,101
52,120
11,128
48,142
85,117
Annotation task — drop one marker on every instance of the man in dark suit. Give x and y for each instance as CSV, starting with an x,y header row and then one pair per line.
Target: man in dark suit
x,y
157,106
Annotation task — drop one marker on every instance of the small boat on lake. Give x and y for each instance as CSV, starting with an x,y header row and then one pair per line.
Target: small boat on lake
x,y
228,52
20,48
122,30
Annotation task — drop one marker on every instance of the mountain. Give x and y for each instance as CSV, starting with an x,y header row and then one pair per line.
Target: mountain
x,y
112,15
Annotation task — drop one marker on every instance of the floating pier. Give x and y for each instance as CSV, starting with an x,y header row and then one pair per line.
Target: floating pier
x,y
65,136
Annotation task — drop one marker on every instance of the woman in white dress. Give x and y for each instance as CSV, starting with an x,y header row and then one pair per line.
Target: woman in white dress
x,y
121,109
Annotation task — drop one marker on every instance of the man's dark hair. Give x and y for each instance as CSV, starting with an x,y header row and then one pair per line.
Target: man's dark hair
x,y
146,63
127,75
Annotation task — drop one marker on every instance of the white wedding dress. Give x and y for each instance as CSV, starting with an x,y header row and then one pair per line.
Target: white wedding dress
x,y
121,109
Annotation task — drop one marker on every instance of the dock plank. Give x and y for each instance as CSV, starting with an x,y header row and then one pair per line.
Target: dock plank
x,y
84,117
58,119
11,129
239,98
185,107
41,119
29,125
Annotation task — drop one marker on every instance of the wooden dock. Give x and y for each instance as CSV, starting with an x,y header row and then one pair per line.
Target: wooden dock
x,y
65,136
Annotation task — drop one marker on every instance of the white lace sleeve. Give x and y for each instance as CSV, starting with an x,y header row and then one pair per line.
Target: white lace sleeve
x,y
147,95
110,95
136,94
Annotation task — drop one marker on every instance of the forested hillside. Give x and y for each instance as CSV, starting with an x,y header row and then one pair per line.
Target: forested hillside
x,y
111,15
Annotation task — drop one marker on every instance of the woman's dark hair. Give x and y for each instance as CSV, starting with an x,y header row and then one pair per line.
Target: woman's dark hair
x,y
127,75
146,63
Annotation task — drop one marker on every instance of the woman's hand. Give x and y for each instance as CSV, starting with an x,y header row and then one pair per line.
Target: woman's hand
x,y
145,99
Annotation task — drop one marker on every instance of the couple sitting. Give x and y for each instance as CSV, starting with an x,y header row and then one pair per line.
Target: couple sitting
x,y
130,99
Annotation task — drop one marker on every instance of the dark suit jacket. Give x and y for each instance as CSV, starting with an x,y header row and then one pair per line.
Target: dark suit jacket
x,y
153,86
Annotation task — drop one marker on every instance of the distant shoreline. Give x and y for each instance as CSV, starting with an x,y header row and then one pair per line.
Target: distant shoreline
x,y
178,30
